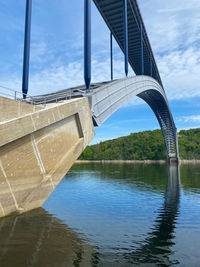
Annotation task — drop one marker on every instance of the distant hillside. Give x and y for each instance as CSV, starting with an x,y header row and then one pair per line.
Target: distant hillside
x,y
144,145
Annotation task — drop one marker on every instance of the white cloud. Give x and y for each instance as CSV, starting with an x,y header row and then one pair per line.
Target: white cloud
x,y
174,32
59,76
171,24
192,118
40,52
180,73
173,28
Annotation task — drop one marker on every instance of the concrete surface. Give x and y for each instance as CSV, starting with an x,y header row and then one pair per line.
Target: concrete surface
x,y
10,109
37,149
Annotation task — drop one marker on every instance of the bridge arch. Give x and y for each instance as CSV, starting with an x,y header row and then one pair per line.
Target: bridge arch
x,y
108,98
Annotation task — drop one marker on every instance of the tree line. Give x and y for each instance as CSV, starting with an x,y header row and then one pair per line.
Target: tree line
x,y
147,145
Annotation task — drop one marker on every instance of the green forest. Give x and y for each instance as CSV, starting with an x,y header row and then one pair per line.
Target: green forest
x,y
148,145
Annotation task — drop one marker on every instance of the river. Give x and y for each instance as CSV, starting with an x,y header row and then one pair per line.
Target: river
x,y
110,215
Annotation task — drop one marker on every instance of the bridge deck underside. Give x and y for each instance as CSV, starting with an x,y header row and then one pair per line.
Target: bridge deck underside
x,y
112,12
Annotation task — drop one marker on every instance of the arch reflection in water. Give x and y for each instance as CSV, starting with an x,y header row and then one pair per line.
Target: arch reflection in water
x,y
39,239
157,246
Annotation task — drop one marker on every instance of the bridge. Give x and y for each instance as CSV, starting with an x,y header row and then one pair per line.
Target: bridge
x,y
42,136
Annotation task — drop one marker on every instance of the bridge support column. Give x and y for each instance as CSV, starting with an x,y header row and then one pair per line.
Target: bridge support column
x,y
125,37
142,50
111,56
27,40
177,147
87,43
150,66
173,160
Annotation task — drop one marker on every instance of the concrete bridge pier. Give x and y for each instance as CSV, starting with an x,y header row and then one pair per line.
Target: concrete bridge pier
x,y
173,161
37,148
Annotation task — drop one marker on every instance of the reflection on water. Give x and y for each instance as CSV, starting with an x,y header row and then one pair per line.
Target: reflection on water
x,y
111,215
39,239
157,245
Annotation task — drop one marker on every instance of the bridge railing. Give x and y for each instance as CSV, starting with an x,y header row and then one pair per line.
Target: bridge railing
x,y
40,101
55,97
11,93
15,95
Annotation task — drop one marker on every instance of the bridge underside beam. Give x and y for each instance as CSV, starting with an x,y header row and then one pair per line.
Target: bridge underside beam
x,y
112,13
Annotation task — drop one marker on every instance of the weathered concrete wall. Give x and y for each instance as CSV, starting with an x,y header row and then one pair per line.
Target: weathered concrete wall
x,y
37,150
10,109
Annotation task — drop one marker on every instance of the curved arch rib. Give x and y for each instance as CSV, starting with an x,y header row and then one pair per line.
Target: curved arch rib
x,y
110,97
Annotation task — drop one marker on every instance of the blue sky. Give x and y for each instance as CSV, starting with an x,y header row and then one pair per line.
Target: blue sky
x,y
57,56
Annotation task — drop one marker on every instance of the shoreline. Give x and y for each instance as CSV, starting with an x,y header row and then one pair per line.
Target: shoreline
x,y
181,161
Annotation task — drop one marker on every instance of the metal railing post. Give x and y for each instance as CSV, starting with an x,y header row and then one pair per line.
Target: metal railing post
x,y
87,43
27,40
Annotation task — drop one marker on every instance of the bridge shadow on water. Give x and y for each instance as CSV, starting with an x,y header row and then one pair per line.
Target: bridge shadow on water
x,y
38,238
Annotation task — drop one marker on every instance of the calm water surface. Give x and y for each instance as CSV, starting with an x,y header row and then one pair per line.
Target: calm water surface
x,y
111,215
